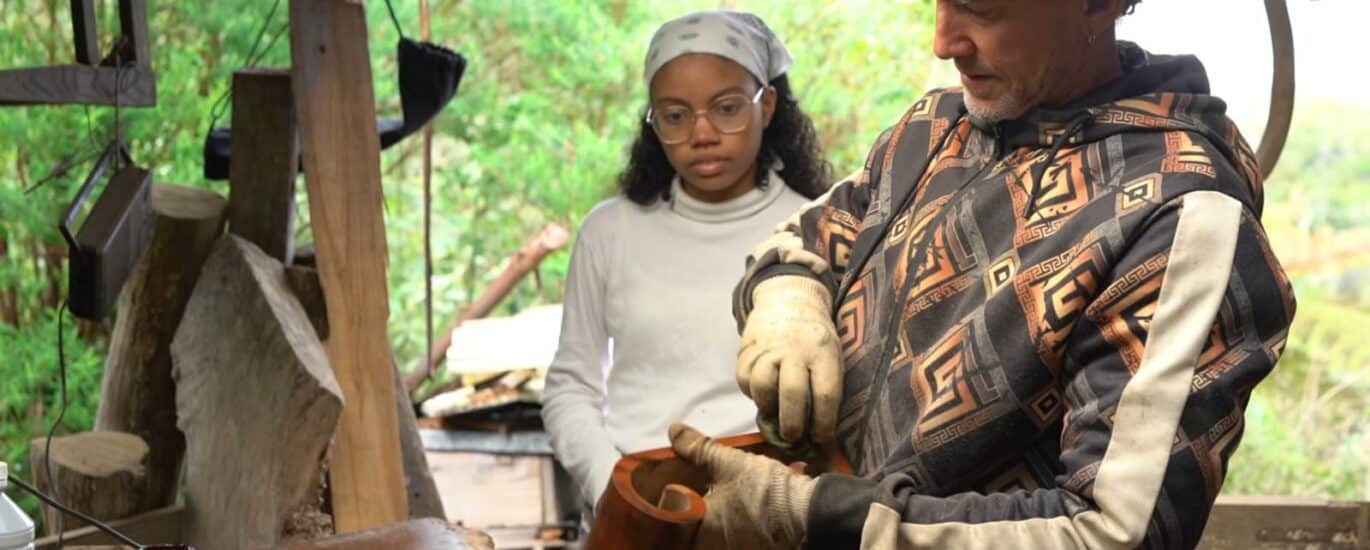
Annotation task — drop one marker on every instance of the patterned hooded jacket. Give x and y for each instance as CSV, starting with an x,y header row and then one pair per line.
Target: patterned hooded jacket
x,y
1049,326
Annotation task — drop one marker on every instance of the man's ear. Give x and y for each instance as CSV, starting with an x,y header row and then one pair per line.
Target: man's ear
x,y
768,101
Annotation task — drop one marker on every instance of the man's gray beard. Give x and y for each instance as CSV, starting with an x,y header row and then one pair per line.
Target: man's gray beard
x,y
1005,108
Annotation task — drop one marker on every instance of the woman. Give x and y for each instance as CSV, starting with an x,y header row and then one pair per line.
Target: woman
x,y
724,155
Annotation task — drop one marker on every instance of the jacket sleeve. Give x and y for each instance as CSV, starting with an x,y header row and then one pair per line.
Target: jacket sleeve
x,y
573,400
816,241
1155,375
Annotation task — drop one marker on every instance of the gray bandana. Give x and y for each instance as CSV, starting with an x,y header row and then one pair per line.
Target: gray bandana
x,y
738,36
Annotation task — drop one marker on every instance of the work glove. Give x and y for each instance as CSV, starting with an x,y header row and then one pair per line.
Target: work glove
x,y
790,362
753,502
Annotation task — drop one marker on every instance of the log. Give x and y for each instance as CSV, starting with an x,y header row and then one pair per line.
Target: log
x,y
336,106
137,395
551,238
653,499
261,174
101,474
420,490
255,398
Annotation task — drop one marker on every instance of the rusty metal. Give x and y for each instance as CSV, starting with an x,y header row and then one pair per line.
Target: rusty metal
x,y
1281,87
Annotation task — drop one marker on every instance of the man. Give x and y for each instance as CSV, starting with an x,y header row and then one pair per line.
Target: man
x,y
1032,321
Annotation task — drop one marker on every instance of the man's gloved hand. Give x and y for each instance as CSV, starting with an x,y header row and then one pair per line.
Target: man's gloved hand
x,y
790,360
753,501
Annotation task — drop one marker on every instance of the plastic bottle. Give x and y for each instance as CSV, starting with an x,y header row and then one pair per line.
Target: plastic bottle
x,y
16,529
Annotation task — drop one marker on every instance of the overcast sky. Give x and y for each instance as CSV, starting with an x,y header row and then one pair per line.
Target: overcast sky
x,y
1232,39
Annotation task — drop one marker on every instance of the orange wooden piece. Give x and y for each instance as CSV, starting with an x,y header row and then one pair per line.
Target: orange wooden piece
x,y
653,499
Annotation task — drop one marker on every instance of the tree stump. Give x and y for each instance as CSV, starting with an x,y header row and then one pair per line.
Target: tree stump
x,y
101,474
138,395
256,399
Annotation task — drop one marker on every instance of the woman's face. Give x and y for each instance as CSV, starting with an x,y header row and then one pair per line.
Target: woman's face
x,y
692,96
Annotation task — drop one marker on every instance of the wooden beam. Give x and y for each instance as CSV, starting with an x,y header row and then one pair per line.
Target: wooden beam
x,y
138,395
160,526
1286,522
337,117
266,150
133,25
255,398
84,28
78,84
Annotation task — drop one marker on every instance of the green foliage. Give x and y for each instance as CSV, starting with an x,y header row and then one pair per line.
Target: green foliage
x,y
1308,424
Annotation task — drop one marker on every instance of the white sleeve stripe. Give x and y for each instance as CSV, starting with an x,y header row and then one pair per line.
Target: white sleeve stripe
x,y
1148,414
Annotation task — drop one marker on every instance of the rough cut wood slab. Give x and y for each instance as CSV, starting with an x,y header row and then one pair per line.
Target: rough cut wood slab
x,y
331,79
255,398
137,395
266,153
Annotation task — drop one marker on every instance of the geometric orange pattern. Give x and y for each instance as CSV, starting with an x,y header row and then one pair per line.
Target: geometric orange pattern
x,y
988,334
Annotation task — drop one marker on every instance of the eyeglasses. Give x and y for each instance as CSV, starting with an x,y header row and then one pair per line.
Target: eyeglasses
x,y
729,114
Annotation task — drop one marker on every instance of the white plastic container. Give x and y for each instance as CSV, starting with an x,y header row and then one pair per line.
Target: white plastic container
x,y
16,529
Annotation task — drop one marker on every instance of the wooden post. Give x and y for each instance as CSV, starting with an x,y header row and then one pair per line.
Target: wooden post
x,y
100,474
84,82
86,31
137,394
255,398
331,79
133,26
261,174
420,490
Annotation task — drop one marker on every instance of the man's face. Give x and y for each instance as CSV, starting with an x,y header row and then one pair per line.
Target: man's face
x,y
1014,55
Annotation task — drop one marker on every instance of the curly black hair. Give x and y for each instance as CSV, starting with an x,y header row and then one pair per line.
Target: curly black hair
x,y
790,138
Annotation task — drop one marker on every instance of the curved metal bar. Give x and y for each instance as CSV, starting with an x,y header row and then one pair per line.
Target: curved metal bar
x,y
1281,87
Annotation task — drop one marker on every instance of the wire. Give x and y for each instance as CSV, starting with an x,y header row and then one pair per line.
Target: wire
x,y
391,8
216,111
61,414
97,523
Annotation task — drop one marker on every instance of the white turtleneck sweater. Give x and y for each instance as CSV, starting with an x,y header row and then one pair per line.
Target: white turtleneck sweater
x,y
655,283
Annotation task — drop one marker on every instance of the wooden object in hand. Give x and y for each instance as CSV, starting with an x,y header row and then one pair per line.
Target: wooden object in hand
x,y
653,499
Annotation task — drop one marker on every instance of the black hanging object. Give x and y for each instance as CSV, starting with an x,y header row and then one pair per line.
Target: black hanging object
x,y
111,239
429,77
